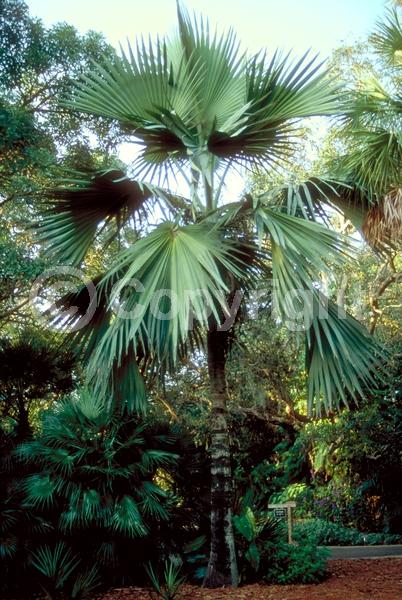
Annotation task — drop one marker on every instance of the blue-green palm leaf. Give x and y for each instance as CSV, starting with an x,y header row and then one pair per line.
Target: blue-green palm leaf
x,y
196,95
174,271
343,360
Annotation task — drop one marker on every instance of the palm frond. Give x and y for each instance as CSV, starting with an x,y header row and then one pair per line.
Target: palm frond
x,y
220,94
278,94
343,360
8,546
300,250
170,276
80,205
56,564
127,518
305,199
387,38
86,583
374,160
40,490
120,385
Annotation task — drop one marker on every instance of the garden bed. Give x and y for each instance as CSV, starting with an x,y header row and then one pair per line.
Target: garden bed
x,y
348,579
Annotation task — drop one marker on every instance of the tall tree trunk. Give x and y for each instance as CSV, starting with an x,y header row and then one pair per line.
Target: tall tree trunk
x,y
222,566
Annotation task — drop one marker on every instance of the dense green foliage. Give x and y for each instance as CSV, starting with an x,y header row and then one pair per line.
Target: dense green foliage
x,y
89,479
304,563
328,533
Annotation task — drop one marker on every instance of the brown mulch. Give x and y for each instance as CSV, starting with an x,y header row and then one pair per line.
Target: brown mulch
x,y
348,580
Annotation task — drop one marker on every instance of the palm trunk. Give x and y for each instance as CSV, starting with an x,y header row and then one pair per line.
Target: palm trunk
x,y
222,566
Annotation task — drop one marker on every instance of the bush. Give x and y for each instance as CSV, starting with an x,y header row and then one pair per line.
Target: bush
x,y
325,533
92,481
291,563
263,553
256,533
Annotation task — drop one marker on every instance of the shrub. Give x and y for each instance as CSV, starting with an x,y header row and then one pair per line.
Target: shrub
x,y
254,534
94,475
291,563
325,533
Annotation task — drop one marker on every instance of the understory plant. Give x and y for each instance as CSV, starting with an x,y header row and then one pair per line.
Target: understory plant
x,y
254,530
167,586
94,477
60,575
295,563
326,533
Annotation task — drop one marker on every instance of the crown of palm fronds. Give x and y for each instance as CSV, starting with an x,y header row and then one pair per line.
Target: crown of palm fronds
x,y
197,93
197,105
96,469
372,166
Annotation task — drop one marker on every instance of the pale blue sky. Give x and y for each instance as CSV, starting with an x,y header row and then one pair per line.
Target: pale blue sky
x,y
321,25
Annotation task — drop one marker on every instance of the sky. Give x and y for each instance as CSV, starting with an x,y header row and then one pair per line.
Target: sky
x,y
288,24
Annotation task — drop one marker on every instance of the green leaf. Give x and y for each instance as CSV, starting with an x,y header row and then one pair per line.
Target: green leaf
x,y
79,205
300,250
56,564
342,358
253,556
245,524
169,276
388,38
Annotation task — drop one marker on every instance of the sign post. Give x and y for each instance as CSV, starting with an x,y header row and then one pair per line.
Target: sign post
x,y
280,511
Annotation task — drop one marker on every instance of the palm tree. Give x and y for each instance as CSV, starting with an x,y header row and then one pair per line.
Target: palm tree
x,y
92,471
199,108
32,369
372,164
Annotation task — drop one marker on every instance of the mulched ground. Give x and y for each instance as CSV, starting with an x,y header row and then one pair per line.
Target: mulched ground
x,y
348,580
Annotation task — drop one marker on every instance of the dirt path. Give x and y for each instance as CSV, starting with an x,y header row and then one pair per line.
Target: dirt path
x,y
349,580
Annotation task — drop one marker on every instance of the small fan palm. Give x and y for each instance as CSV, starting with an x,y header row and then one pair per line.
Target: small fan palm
x,y
96,473
198,107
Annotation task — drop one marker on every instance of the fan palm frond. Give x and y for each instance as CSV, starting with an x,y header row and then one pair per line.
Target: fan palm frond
x,y
56,564
300,250
75,209
343,360
170,277
80,205
305,199
387,39
374,161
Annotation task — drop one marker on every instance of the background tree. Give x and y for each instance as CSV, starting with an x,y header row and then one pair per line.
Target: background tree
x,y
33,370
37,68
